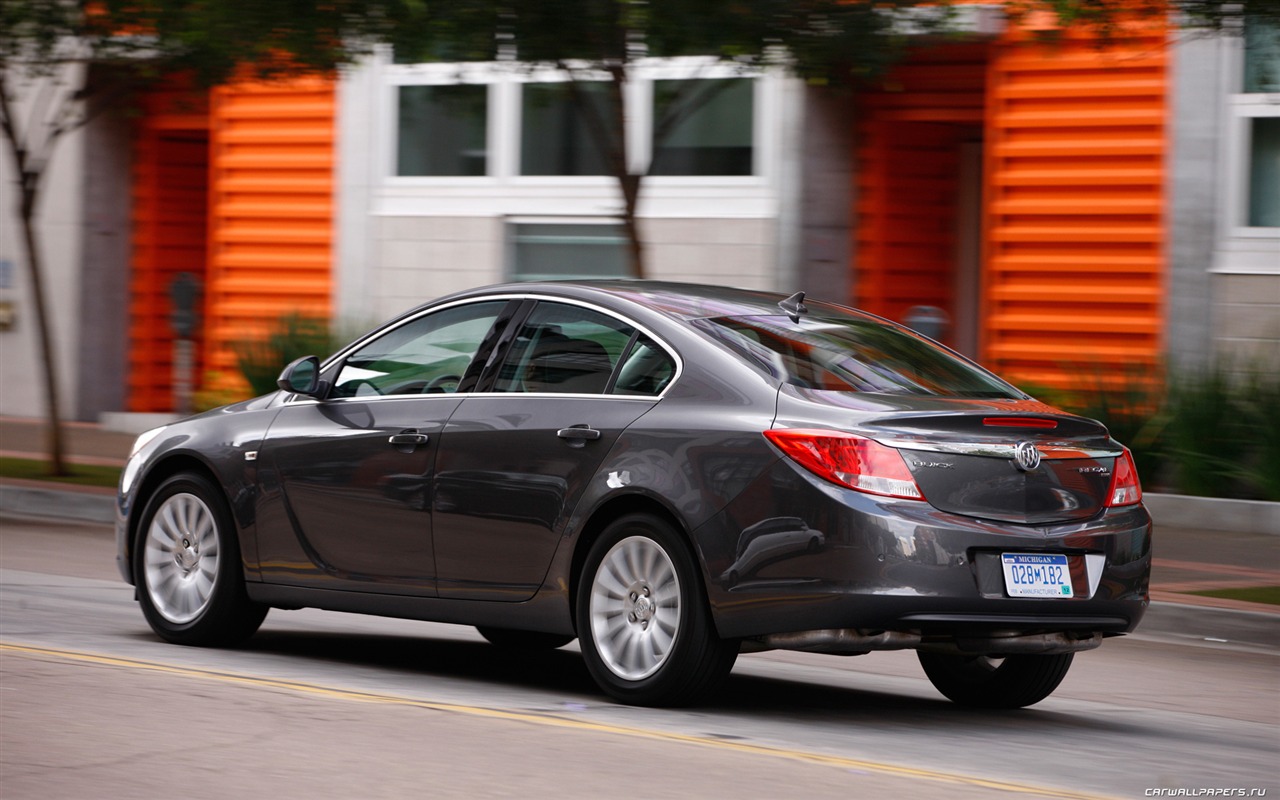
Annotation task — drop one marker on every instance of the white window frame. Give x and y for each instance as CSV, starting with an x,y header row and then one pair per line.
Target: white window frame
x,y
1242,248
399,75
505,80
1243,110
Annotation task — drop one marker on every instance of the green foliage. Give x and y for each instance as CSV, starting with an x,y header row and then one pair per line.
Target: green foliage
x,y
79,474
213,393
293,336
1261,407
1249,594
1204,436
1212,432
1132,408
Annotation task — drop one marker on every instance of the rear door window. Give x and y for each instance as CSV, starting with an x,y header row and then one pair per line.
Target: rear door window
x,y
564,349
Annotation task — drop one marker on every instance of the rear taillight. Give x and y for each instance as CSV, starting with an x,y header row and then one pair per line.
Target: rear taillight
x,y
1125,489
848,460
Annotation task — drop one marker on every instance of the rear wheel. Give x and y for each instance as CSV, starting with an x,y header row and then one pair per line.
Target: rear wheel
x,y
187,563
643,621
989,682
524,640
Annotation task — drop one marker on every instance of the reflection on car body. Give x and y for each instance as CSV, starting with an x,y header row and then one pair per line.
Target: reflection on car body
x,y
768,541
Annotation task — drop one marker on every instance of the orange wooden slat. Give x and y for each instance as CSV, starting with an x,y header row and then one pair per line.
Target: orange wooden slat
x,y
272,209
1075,229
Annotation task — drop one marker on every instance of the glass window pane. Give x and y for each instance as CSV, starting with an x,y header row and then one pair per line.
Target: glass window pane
x,y
548,251
442,130
556,136
425,356
1261,57
647,370
713,129
563,349
1264,173
844,352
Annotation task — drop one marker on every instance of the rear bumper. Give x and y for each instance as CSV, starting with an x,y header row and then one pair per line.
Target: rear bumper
x,y
900,565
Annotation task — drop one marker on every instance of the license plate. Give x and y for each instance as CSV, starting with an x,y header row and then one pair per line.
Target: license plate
x,y
1036,575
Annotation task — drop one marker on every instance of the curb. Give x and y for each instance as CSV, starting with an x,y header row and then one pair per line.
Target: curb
x,y
1194,624
1213,513
74,503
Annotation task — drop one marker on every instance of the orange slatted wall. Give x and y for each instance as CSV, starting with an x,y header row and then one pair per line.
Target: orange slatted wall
x,y
271,211
911,124
1074,255
169,218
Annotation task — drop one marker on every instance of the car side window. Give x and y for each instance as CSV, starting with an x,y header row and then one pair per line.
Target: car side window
x,y
563,349
428,355
646,370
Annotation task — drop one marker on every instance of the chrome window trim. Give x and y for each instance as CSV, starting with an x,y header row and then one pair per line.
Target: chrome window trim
x,y
380,398
507,297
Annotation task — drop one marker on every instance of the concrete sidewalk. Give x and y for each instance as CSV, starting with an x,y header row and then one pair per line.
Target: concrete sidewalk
x,y
1187,559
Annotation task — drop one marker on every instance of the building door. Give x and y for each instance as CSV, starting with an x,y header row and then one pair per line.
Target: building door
x,y
170,239
918,219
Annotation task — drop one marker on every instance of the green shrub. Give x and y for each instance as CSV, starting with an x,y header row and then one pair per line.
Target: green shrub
x,y
1131,407
1206,437
1259,407
1212,432
293,336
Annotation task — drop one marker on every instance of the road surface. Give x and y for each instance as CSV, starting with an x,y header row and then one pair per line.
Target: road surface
x,y
320,704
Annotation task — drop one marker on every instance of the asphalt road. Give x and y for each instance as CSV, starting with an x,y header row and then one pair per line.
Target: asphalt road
x,y
332,705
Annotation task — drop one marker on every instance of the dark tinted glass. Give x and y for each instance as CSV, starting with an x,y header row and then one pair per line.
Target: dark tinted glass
x,y
703,127
556,135
853,354
441,130
563,349
647,369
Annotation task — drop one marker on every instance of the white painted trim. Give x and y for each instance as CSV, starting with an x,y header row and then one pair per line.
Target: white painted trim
x,y
1241,248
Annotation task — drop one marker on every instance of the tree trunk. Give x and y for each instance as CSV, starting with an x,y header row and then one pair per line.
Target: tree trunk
x,y
28,187
614,147
57,465
630,185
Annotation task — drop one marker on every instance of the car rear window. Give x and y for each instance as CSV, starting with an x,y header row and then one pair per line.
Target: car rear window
x,y
849,353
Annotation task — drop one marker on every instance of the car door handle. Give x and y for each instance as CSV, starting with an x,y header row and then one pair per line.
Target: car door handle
x,y
409,438
579,433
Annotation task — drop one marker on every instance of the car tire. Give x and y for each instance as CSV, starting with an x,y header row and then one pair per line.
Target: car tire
x,y
524,640
643,621
187,562
985,682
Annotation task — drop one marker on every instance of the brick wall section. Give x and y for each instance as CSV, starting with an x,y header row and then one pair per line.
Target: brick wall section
x,y
1246,320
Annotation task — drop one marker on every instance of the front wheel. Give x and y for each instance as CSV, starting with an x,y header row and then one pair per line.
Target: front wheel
x,y
988,682
187,563
643,622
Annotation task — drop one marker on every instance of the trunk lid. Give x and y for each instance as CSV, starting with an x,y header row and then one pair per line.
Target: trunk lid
x,y
1015,461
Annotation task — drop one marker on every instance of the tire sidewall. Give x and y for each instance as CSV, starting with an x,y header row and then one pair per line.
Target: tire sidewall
x,y
663,686
212,623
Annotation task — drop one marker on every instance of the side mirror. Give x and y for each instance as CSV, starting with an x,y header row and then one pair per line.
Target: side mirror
x,y
302,376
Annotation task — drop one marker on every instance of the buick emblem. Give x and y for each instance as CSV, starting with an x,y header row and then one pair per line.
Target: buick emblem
x,y
1025,456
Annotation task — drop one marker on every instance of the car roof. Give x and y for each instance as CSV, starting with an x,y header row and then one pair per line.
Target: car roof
x,y
680,300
